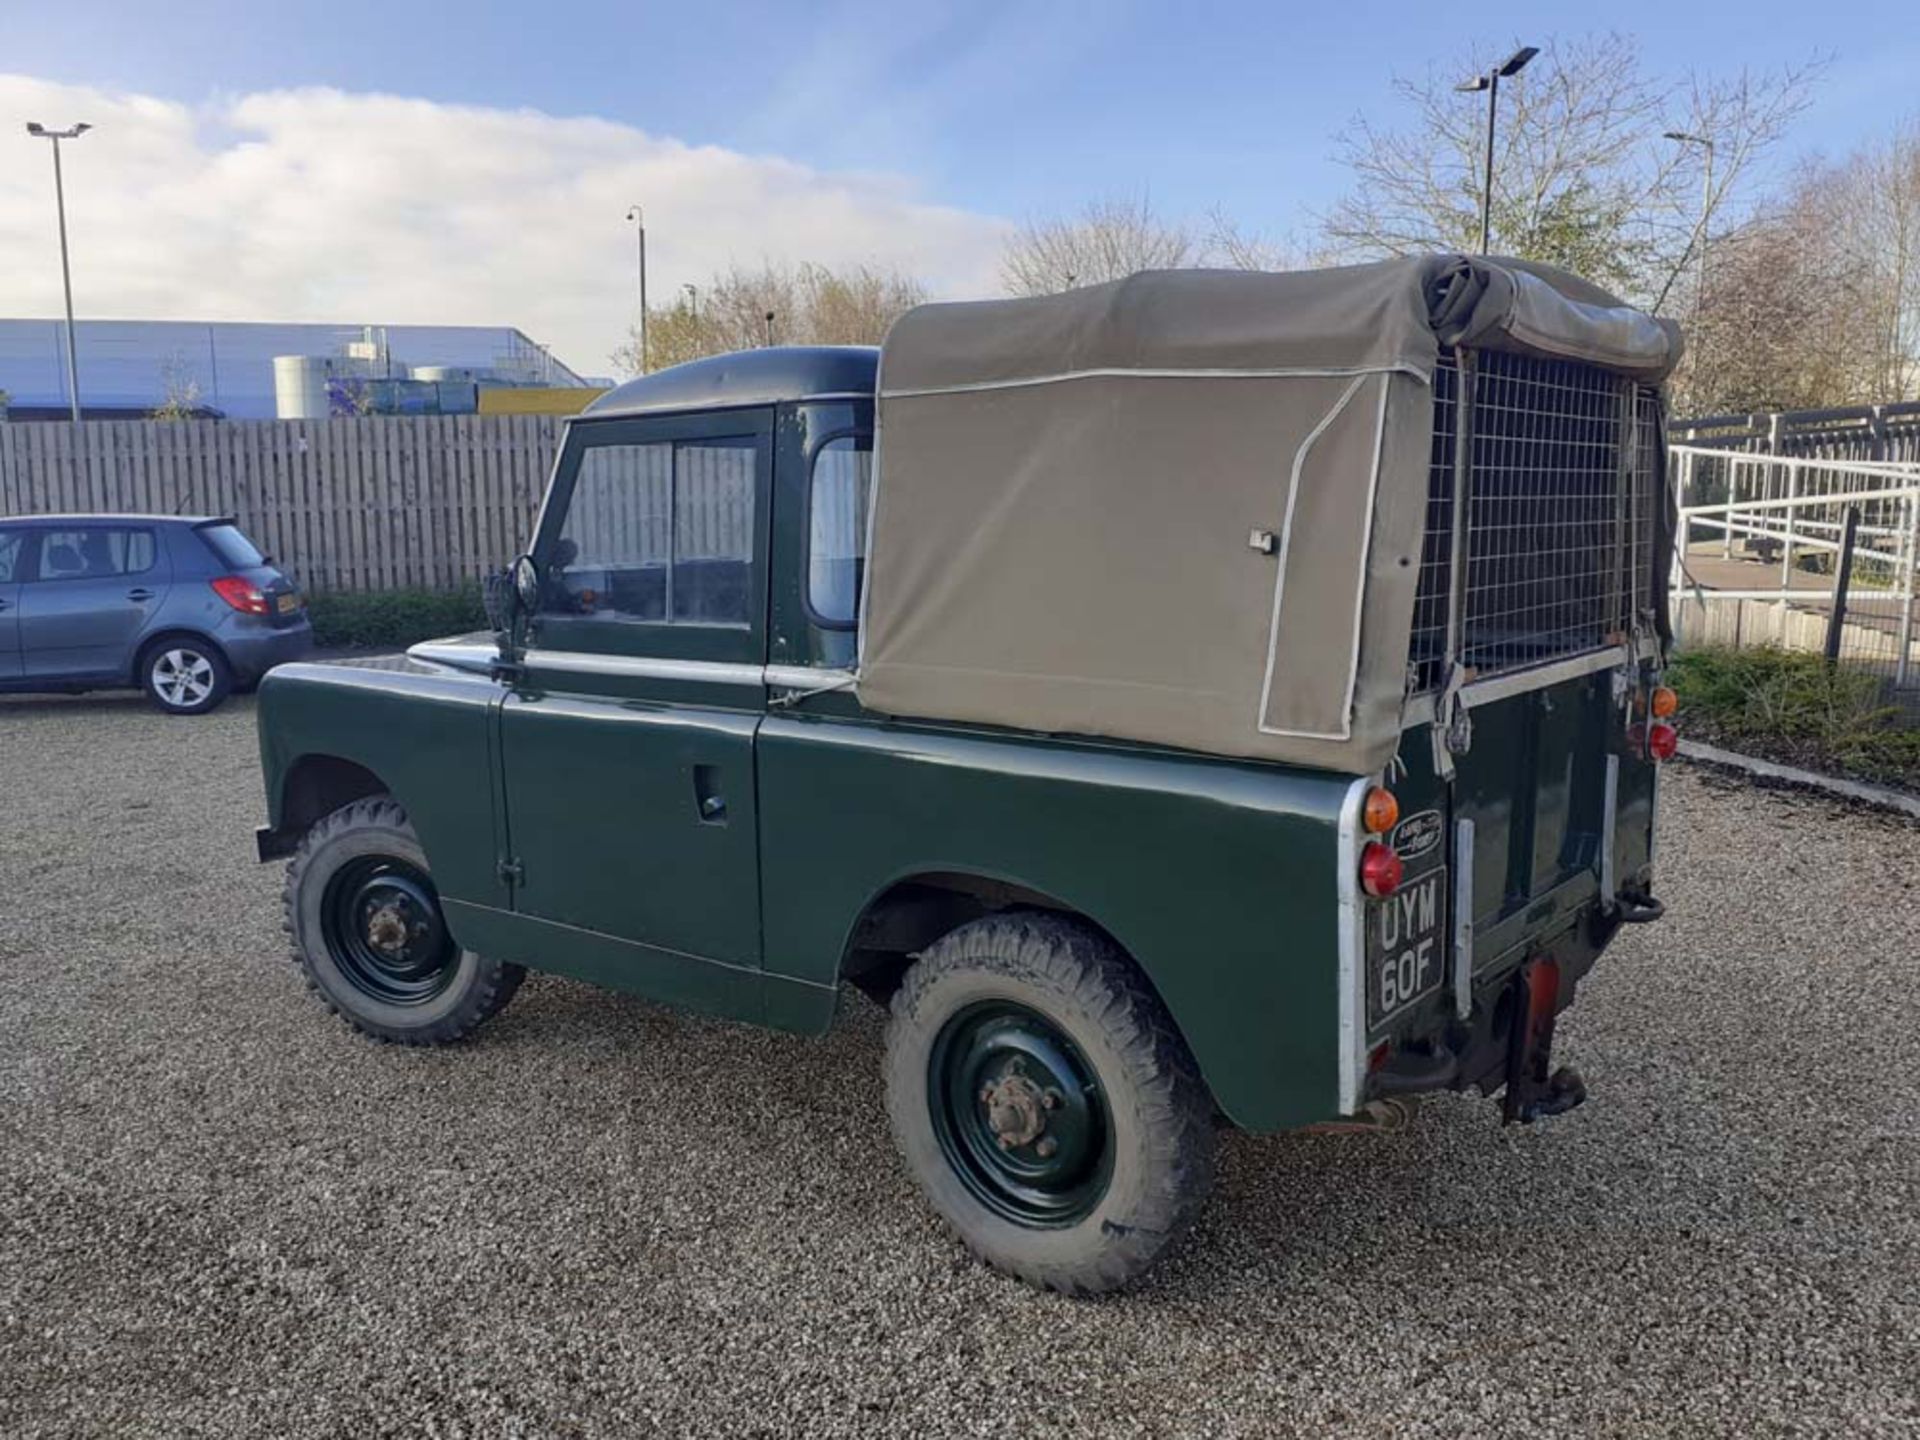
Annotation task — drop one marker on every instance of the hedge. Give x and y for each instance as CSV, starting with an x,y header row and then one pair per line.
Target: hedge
x,y
394,618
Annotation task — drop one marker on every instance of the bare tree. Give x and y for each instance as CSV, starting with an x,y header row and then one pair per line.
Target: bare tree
x,y
1108,240
805,304
1815,300
1583,176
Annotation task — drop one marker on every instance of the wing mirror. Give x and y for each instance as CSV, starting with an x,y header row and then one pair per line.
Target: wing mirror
x,y
510,593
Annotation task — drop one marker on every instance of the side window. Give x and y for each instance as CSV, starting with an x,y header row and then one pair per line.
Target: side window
x,y
94,553
661,533
837,499
611,561
12,546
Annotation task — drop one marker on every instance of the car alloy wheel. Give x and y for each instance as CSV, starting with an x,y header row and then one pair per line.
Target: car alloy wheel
x,y
182,677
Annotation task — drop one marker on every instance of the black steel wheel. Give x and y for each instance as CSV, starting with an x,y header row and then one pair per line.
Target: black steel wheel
x,y
1019,1114
1045,1103
380,921
369,934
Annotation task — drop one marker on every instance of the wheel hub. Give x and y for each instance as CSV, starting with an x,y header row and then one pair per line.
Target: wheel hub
x,y
1016,1110
387,930
1019,1114
384,932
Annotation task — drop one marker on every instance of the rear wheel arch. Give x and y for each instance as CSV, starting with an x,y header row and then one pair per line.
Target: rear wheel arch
x,y
175,636
911,912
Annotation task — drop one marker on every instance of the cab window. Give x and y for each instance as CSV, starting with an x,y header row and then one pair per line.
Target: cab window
x,y
659,533
838,495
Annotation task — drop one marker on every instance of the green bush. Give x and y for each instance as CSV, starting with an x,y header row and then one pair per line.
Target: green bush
x,y
394,618
1794,705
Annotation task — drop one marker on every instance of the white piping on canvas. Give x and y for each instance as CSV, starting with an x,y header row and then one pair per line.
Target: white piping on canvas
x,y
1129,373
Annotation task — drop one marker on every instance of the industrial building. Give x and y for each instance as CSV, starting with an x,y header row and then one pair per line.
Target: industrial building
x,y
253,371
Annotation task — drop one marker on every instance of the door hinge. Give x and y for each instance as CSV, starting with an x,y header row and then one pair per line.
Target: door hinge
x,y
512,872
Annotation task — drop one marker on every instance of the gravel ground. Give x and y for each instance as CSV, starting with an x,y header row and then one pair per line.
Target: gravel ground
x,y
223,1214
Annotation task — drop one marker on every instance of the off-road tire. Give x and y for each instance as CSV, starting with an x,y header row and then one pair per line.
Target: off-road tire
x,y
177,653
1159,1110
377,826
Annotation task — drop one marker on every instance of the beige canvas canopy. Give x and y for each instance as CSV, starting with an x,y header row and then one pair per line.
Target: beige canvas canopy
x,y
1074,495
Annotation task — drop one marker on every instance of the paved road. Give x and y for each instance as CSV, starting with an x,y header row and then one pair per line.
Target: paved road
x,y
222,1214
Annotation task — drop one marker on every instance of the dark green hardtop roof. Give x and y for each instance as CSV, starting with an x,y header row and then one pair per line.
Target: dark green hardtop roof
x,y
743,378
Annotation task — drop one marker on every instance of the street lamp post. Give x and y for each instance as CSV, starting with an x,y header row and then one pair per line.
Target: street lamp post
x,y
73,132
1490,82
639,219
1682,137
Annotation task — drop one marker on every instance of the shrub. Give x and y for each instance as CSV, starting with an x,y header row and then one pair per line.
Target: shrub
x,y
394,618
1788,701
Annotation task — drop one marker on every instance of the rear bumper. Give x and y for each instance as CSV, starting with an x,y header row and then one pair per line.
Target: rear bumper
x,y
253,652
1445,1051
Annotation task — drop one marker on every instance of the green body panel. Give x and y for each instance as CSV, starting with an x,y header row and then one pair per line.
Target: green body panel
x,y
427,737
604,810
1218,878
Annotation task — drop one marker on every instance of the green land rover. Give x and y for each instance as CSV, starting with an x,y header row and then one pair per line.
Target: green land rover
x,y
1208,698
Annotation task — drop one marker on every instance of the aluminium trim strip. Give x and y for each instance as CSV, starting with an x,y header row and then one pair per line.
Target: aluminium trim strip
x,y
1463,918
1609,822
1350,1037
1122,372
703,672
1419,710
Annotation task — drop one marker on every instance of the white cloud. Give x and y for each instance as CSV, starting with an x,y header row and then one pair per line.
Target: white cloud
x,y
325,206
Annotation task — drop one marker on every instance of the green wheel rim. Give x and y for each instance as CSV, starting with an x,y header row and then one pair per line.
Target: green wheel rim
x,y
381,921
1020,1115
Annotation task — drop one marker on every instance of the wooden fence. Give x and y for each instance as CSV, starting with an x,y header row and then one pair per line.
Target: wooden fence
x,y
368,503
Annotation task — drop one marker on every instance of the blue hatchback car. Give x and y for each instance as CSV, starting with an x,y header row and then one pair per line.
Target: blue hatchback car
x,y
184,608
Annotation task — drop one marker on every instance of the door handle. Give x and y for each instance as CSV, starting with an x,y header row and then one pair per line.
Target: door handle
x,y
139,594
707,797
6,604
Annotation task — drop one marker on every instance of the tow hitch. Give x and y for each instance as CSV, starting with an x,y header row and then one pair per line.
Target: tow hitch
x,y
1532,1092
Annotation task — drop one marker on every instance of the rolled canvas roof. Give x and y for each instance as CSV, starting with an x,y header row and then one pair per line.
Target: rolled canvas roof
x,y
1069,489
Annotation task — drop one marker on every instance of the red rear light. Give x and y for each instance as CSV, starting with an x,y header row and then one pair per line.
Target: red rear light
x,y
242,595
1662,742
1380,870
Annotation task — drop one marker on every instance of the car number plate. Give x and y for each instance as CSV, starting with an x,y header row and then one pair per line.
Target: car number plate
x,y
1406,952
288,604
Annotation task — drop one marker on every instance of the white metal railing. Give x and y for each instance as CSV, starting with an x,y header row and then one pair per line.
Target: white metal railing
x,y
1797,506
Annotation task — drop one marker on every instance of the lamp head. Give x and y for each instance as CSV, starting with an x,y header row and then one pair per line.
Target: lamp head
x,y
1517,61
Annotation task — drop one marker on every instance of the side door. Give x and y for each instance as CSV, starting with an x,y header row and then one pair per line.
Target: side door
x,y
13,560
627,741
87,603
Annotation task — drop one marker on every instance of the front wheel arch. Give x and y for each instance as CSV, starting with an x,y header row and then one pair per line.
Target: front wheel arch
x,y
315,786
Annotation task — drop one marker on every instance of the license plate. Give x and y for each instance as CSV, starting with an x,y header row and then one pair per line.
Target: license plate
x,y
1406,952
288,604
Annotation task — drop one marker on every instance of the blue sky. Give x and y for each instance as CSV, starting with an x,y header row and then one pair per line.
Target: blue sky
x,y
994,106
913,133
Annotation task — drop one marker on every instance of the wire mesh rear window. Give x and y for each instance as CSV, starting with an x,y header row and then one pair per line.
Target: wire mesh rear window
x,y
1563,477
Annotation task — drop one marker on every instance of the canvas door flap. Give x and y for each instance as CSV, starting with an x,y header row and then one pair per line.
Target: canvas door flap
x,y
1325,529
